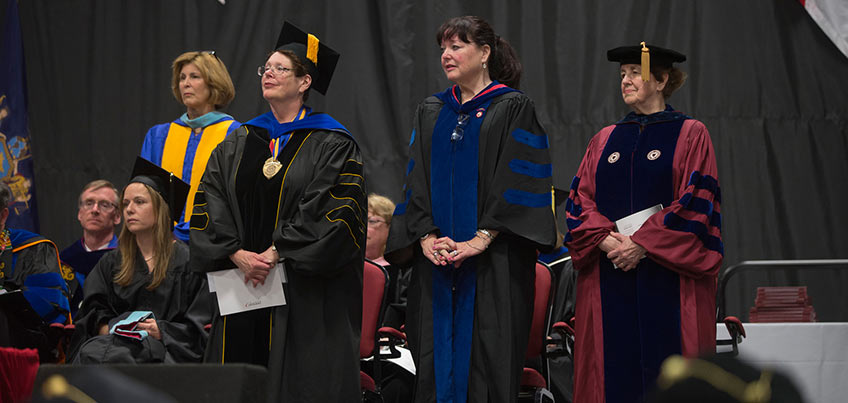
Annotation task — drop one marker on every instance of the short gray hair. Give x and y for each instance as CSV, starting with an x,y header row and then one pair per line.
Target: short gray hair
x,y
99,184
5,195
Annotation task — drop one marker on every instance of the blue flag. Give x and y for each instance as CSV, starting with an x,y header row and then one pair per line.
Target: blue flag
x,y
15,151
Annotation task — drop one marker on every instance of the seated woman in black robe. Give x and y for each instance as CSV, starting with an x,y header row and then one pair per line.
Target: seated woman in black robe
x,y
147,272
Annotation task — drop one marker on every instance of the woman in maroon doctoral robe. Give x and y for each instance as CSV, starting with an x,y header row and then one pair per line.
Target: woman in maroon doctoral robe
x,y
646,296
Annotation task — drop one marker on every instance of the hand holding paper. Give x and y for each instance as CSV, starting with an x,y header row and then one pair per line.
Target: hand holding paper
x,y
628,253
254,266
235,296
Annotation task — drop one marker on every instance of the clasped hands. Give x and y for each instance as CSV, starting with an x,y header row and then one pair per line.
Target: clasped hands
x,y
622,251
255,266
443,251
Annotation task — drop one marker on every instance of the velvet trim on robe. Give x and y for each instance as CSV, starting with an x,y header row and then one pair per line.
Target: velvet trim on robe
x,y
78,262
314,211
512,196
33,265
667,304
455,156
177,148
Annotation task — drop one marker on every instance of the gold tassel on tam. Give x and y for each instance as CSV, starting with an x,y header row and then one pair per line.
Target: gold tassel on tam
x,y
312,48
646,63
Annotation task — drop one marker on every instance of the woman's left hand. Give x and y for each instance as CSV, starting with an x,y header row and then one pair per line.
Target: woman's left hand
x,y
151,327
271,254
628,254
457,252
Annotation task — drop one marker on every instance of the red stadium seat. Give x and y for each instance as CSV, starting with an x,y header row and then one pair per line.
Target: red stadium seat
x,y
534,385
375,282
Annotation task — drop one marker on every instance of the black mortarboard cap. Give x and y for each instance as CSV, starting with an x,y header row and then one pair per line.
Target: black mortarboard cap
x,y
645,55
168,185
319,59
719,379
79,383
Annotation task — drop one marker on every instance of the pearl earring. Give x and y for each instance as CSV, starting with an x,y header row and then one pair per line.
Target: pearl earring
x,y
484,65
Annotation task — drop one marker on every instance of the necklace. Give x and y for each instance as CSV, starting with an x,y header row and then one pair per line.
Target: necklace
x,y
147,259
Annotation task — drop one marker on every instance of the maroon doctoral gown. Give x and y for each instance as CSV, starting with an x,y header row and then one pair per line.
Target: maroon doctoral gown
x,y
627,323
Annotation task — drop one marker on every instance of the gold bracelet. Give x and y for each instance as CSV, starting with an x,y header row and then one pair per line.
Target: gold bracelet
x,y
476,248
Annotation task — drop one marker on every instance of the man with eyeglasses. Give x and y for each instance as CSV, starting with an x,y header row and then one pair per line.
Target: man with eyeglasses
x,y
98,215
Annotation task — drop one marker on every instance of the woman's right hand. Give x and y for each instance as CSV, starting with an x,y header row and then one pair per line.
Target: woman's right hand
x,y
430,252
254,266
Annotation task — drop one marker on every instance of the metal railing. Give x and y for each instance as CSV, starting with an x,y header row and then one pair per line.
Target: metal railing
x,y
748,265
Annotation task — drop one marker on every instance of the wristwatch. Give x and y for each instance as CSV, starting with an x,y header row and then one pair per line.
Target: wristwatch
x,y
486,233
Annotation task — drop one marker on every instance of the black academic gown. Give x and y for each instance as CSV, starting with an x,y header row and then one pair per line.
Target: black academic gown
x,y
31,256
509,136
170,301
314,211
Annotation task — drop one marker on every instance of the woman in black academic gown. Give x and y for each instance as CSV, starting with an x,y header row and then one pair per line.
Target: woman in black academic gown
x,y
477,207
288,186
147,272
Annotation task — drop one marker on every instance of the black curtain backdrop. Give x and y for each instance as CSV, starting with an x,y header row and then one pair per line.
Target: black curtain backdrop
x,y
763,77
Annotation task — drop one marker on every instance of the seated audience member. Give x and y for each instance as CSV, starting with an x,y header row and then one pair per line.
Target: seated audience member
x,y
380,210
146,273
98,215
396,383
30,262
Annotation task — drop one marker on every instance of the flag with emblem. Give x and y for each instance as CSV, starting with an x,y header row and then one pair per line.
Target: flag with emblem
x,y
15,152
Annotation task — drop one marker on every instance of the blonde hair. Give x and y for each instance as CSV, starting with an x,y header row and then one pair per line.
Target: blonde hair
x,y
214,73
381,206
163,244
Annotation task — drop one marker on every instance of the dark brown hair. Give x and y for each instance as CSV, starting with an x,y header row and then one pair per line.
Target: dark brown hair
x,y
503,64
676,78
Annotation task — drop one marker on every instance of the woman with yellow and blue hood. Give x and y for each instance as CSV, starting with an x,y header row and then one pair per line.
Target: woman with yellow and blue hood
x,y
200,81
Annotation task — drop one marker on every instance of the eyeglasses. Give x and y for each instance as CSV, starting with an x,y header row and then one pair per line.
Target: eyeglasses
x,y
275,70
208,52
103,205
459,130
375,221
